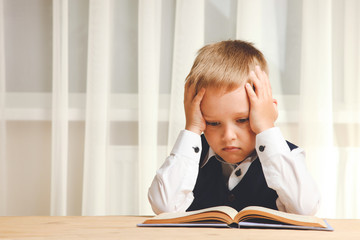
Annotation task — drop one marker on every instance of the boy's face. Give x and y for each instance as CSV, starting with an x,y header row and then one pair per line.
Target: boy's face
x,y
228,129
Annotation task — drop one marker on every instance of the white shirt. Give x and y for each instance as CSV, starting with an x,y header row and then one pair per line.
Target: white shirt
x,y
284,170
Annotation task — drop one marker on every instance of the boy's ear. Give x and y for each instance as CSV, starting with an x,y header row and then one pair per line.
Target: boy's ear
x,y
275,103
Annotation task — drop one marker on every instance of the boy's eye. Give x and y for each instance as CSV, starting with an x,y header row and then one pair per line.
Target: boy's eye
x,y
242,120
212,123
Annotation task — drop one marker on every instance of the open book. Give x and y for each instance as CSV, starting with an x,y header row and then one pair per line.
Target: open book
x,y
249,217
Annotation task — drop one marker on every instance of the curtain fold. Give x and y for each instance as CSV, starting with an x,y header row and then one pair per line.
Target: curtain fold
x,y
250,21
3,165
316,102
97,104
188,39
253,25
148,95
59,109
351,80
313,51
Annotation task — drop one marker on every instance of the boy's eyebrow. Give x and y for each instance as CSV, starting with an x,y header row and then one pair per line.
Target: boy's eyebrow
x,y
207,116
204,116
244,113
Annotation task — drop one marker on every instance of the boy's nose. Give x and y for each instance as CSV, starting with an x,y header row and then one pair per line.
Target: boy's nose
x,y
229,133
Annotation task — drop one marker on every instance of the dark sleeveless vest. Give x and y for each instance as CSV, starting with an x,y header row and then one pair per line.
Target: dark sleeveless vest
x,y
211,187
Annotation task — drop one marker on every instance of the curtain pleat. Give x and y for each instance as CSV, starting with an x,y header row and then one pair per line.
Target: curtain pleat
x,y
148,79
351,80
3,164
352,62
97,103
316,101
188,39
252,26
59,145
250,21
323,107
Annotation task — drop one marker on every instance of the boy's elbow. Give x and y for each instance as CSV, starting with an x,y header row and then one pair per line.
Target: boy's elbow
x,y
157,205
309,208
155,200
158,200
161,202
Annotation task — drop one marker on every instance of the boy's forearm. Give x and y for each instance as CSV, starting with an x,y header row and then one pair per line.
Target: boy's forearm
x,y
171,189
286,173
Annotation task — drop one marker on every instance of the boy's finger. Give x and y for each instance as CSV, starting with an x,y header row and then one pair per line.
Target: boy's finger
x,y
256,82
259,72
267,84
187,86
199,96
189,92
250,92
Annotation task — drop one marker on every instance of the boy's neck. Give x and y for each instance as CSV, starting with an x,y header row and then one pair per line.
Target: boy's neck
x,y
251,155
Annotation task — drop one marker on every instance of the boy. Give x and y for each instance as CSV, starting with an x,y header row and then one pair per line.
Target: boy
x,y
241,159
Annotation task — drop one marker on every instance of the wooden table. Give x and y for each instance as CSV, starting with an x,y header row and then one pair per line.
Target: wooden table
x,y
124,227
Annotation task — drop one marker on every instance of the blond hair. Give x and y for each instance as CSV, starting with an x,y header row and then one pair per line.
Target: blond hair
x,y
225,65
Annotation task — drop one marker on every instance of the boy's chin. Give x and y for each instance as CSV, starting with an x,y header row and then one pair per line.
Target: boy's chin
x,y
233,159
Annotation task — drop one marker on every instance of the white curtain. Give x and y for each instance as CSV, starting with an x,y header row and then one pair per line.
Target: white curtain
x,y
316,105
149,72
60,101
95,189
188,38
91,94
3,173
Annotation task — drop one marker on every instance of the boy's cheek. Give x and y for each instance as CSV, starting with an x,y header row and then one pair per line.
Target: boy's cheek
x,y
210,136
210,133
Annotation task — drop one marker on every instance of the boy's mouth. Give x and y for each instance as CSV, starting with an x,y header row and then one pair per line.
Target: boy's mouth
x,y
230,149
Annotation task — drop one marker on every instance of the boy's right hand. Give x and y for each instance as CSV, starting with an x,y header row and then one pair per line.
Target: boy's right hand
x,y
194,118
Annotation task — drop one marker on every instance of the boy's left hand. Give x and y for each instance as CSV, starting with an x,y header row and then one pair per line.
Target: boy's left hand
x,y
263,108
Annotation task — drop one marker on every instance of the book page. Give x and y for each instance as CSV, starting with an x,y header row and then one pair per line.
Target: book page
x,y
225,209
281,216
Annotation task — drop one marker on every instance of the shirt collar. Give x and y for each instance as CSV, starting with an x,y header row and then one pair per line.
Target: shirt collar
x,y
211,153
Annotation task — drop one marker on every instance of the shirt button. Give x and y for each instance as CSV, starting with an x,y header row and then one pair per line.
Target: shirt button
x,y
196,149
261,148
231,197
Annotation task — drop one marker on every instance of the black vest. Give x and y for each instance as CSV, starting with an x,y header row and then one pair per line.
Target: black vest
x,y
211,187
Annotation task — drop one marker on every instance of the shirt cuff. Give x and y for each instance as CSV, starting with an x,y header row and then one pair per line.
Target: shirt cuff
x,y
188,144
270,142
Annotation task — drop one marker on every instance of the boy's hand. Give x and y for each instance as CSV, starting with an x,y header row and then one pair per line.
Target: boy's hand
x,y
263,108
194,119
